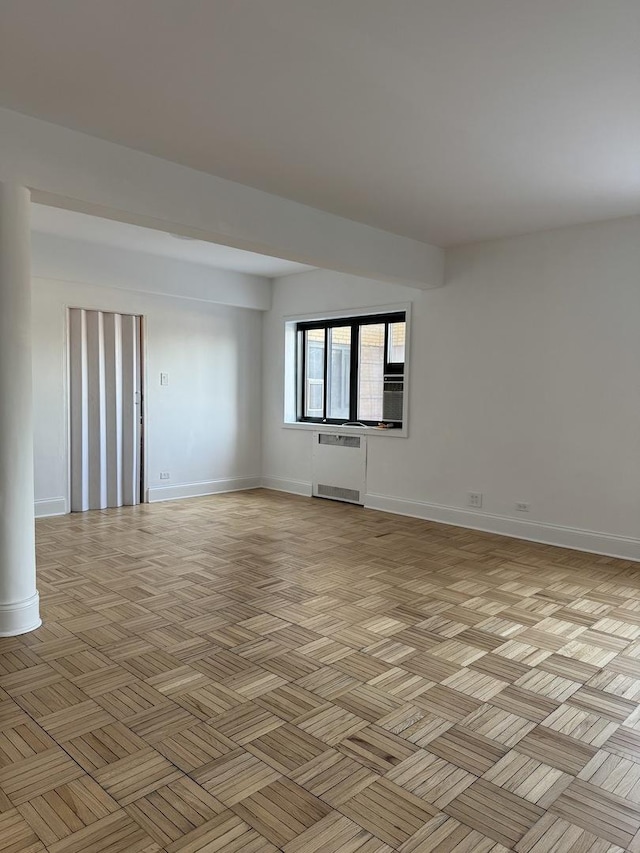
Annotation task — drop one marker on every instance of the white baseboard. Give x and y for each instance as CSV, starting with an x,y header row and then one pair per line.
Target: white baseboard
x,y
534,531
594,542
197,490
294,487
51,506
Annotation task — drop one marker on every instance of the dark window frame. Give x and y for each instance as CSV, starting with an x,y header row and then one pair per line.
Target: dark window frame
x,y
355,322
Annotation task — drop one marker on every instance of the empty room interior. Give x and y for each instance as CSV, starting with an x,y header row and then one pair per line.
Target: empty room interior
x,y
319,426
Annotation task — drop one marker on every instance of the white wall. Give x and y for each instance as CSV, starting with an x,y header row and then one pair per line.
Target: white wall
x,y
524,385
203,428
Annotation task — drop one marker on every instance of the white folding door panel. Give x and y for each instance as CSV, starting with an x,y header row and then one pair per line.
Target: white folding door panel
x,y
105,409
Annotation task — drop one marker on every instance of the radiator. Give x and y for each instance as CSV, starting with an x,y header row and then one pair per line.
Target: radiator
x,y
339,466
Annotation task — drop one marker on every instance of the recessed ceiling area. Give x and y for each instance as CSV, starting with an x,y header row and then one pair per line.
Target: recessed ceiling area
x,y
121,235
447,121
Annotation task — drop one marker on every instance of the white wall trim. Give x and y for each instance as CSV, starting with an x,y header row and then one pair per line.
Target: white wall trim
x,y
197,490
577,539
294,487
51,506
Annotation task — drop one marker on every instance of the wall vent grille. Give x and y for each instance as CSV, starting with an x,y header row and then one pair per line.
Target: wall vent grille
x,y
338,493
339,440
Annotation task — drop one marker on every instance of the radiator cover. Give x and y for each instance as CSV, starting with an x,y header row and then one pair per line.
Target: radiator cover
x,y
339,466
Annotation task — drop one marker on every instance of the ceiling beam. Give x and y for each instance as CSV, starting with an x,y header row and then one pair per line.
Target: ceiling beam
x,y
69,169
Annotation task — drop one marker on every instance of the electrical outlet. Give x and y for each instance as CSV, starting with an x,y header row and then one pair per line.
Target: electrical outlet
x,y
164,475
474,499
522,506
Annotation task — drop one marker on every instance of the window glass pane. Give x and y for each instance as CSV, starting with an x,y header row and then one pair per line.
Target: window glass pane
x,y
339,368
314,378
371,372
397,333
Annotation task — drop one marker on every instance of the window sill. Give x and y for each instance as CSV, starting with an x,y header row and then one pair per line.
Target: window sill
x,y
337,428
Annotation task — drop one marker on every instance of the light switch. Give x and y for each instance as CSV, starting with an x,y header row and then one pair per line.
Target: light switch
x,y
164,378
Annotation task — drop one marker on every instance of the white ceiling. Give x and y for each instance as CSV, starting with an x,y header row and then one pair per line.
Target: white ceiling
x,y
121,235
444,120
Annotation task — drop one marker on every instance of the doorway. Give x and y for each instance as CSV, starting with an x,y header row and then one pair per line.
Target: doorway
x,y
106,413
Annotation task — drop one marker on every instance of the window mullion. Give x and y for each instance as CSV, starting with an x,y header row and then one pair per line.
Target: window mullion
x,y
326,374
353,373
302,381
385,367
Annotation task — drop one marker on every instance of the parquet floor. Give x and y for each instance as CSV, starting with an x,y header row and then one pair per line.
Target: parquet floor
x,y
259,672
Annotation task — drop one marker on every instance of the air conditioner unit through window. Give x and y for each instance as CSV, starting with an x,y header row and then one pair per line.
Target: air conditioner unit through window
x,y
392,398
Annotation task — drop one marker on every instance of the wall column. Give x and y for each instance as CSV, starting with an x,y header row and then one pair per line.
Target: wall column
x,y
19,605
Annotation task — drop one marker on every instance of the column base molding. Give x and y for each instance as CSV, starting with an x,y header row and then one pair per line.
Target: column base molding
x,y
20,617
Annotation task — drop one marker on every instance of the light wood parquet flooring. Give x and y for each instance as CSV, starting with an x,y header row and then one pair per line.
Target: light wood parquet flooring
x,y
257,672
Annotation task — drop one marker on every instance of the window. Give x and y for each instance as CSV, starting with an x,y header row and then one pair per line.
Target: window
x,y
351,370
